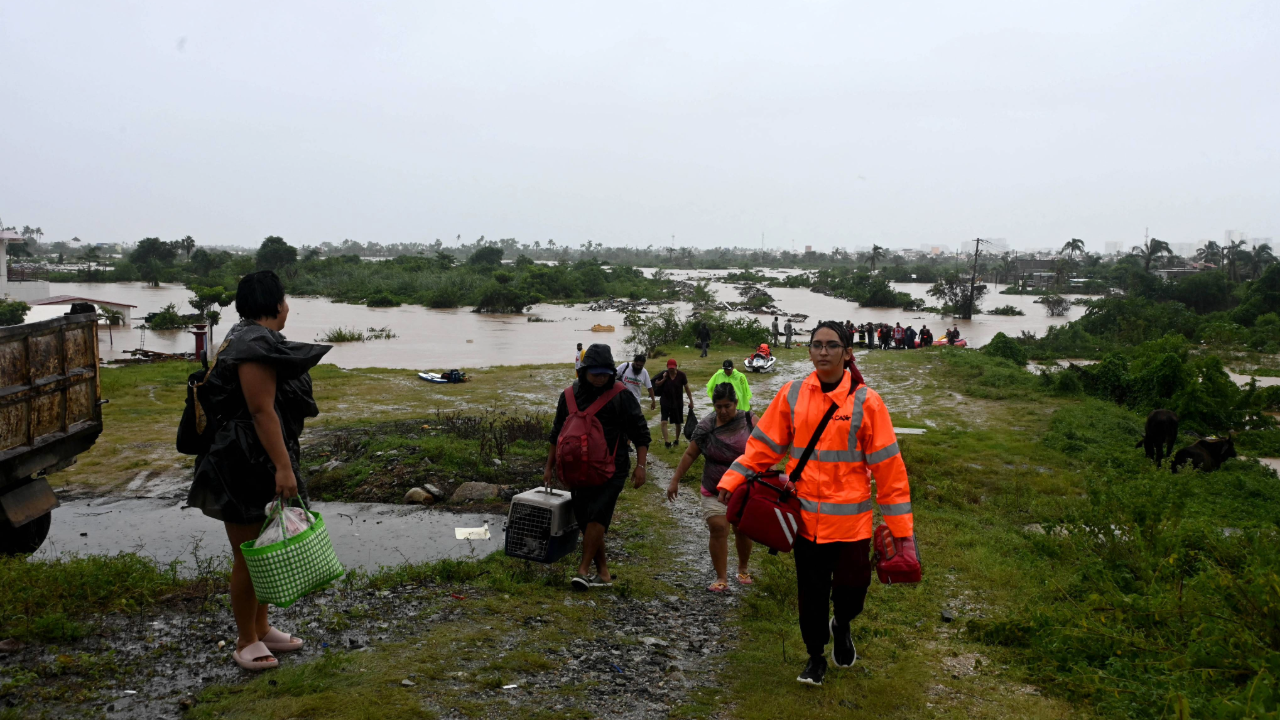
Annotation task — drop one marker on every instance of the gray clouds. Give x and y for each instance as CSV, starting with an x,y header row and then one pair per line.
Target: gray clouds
x,y
829,123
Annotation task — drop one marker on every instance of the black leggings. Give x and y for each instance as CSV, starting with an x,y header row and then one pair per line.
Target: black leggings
x,y
831,573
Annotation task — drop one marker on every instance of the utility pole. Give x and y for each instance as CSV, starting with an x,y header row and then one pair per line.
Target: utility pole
x,y
973,279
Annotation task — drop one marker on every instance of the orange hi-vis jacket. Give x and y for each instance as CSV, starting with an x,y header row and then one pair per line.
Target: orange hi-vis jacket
x,y
835,492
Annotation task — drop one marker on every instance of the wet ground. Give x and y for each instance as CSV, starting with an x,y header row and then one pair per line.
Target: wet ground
x,y
649,656
365,535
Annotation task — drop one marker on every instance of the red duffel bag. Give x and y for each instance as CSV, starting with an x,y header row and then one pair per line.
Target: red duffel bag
x,y
765,508
897,559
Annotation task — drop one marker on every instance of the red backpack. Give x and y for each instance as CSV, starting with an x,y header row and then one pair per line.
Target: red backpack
x,y
583,457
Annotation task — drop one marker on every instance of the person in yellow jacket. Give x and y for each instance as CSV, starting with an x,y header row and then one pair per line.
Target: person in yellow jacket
x,y
832,552
726,374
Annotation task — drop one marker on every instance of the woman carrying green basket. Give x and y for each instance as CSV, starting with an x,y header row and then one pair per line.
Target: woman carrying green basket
x,y
256,396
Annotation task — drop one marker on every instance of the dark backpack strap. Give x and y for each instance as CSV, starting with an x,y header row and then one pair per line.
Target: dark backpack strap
x,y
570,403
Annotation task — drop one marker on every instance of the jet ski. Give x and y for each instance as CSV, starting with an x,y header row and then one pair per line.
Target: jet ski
x,y
760,363
453,376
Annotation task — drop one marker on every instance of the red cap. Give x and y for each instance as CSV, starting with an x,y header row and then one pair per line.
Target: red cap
x,y
671,363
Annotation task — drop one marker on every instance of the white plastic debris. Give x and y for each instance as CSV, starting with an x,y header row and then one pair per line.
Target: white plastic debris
x,y
510,687
480,533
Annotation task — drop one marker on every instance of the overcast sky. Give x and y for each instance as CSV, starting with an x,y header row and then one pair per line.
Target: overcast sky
x,y
823,123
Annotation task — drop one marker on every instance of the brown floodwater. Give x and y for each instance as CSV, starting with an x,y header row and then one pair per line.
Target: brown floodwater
x,y
458,338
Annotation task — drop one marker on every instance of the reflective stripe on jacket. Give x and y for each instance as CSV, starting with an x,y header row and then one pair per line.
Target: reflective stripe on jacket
x,y
835,492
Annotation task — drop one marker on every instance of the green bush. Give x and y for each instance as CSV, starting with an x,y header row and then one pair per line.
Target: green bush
x,y
380,300
13,312
1006,310
1003,346
168,319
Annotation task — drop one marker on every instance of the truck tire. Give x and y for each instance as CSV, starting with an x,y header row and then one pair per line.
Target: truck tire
x,y
26,539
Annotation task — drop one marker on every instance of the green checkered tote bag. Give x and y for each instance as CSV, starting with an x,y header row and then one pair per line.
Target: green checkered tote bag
x,y
296,566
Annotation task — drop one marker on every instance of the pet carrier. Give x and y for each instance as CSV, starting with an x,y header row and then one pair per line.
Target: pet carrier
x,y
540,525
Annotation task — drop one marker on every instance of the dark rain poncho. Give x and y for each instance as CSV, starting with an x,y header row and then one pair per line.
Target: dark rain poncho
x,y
236,479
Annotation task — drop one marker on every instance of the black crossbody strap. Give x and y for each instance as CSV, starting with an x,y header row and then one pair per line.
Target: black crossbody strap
x,y
813,440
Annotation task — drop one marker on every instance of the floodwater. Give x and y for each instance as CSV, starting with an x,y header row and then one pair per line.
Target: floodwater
x,y
365,535
430,339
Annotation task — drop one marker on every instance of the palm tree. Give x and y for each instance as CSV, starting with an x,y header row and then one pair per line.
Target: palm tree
x,y
1073,246
1210,253
188,245
1234,254
1260,258
1060,268
90,256
1007,267
1150,251
877,253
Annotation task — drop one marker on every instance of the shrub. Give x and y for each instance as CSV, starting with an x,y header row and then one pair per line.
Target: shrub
x,y
13,312
1006,310
1006,347
381,300
168,319
340,334
1056,305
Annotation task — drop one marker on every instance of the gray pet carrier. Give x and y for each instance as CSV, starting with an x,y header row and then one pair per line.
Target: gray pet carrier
x,y
540,525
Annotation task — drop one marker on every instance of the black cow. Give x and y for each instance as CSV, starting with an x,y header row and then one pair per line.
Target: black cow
x,y
1206,454
1162,431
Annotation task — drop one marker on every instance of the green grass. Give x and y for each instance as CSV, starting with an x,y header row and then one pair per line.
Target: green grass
x,y
55,600
502,594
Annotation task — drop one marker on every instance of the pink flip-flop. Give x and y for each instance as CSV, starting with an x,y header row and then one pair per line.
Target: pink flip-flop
x,y
281,642
246,657
718,587
745,579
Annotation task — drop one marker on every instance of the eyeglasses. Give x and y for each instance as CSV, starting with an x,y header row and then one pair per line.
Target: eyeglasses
x,y
831,347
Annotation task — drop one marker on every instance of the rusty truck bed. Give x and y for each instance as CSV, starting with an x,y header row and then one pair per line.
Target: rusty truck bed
x,y
49,391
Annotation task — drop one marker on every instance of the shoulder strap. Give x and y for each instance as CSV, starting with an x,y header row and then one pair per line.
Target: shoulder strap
x,y
202,419
813,441
570,402
608,395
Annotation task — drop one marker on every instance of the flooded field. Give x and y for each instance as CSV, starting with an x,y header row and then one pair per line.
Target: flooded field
x,y
365,535
441,339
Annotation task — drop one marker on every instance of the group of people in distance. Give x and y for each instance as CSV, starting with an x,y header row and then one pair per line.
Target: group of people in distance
x,y
833,547
895,337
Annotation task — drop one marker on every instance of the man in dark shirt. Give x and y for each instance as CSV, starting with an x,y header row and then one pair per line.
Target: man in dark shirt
x,y
669,384
621,419
704,338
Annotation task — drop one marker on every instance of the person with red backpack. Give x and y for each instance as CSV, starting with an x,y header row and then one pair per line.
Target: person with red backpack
x,y
595,419
840,435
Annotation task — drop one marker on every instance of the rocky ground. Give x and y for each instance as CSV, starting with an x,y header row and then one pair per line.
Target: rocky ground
x,y
648,655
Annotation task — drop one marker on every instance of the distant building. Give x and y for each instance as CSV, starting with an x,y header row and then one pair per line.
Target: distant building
x,y
1183,249
997,246
808,248
1175,273
1114,247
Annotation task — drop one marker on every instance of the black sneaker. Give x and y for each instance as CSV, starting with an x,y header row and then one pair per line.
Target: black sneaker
x,y
814,671
843,652
580,582
667,444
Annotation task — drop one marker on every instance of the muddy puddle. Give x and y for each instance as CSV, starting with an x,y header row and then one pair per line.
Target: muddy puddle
x,y
365,535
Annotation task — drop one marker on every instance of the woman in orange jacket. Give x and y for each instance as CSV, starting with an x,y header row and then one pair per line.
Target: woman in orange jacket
x,y
833,563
